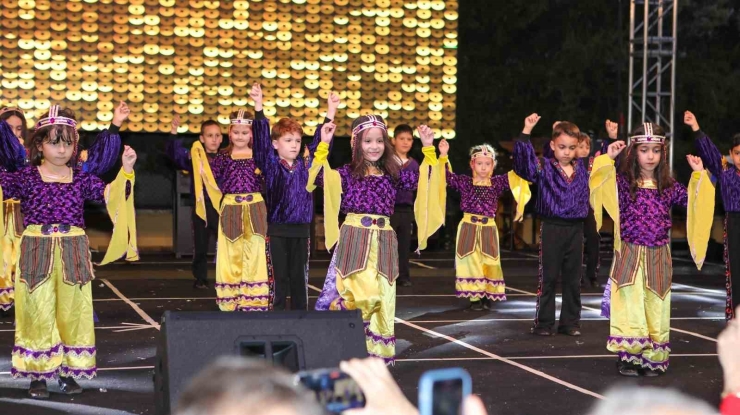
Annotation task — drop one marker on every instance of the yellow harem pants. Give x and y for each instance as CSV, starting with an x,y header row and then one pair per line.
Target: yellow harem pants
x,y
640,321
54,332
11,244
370,292
242,278
478,271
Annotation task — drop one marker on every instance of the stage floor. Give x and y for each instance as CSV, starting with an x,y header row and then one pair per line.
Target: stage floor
x,y
513,371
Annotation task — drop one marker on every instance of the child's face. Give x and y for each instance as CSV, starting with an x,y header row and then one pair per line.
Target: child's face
x,y
57,154
16,124
288,145
402,142
211,138
649,156
482,167
564,148
373,145
583,149
735,156
240,136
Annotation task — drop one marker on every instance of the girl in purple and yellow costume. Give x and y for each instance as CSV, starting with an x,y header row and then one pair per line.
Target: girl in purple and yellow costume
x,y
639,199
54,333
477,256
364,265
728,176
233,183
13,157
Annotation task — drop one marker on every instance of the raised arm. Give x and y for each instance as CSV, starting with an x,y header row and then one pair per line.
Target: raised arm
x,y
262,149
12,152
408,179
103,153
708,152
526,163
455,181
176,150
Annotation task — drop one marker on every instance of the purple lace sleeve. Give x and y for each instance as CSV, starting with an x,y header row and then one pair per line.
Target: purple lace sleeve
x,y
12,152
103,154
263,151
710,155
179,155
526,163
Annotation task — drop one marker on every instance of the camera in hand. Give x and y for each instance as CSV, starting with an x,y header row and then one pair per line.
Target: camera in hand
x,y
336,391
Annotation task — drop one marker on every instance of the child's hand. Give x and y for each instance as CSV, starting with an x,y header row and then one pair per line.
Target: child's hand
x,y
530,122
615,148
327,132
444,148
333,103
256,94
175,124
128,159
612,129
426,135
695,163
690,119
120,114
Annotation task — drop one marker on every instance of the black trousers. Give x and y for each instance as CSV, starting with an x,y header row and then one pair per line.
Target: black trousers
x,y
561,254
202,233
591,247
732,252
289,249
402,221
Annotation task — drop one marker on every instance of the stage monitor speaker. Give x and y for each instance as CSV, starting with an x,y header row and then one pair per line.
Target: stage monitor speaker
x,y
297,340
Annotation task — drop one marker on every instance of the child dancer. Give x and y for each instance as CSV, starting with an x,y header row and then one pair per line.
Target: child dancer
x,y
639,199
365,262
728,176
97,160
289,205
402,220
54,333
477,257
562,204
233,183
210,138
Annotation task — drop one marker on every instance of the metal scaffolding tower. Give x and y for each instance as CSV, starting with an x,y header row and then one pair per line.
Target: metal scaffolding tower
x,y
652,76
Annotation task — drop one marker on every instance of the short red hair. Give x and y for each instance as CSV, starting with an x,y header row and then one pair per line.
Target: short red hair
x,y
286,126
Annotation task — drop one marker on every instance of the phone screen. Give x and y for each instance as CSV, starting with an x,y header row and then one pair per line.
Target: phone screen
x,y
335,391
447,397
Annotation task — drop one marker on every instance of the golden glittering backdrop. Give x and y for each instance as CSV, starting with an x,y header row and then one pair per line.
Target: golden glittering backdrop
x,y
198,59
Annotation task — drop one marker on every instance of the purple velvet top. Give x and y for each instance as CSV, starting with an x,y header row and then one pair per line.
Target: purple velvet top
x,y
478,200
558,196
287,199
236,176
180,155
406,197
646,220
374,195
45,203
728,176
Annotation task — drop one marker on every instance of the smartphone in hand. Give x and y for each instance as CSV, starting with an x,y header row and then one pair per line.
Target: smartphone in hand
x,y
442,391
335,390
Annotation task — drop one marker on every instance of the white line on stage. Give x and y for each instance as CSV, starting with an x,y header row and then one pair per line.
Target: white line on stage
x,y
136,308
586,356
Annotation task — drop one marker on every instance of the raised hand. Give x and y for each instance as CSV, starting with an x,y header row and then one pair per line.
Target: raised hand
x,y
333,103
327,132
256,94
120,114
175,124
615,148
444,147
690,119
695,163
426,134
128,159
612,129
530,122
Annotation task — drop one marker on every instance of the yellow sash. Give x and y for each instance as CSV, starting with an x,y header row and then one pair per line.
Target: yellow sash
x,y
700,213
332,193
122,214
429,206
203,176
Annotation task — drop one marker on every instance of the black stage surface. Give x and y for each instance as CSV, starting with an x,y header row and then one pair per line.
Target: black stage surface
x,y
513,371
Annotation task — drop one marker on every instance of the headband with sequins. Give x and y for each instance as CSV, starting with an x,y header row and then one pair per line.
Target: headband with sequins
x,y
484,151
648,137
55,119
11,109
373,121
240,120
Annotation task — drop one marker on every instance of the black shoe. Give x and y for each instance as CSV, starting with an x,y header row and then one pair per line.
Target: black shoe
x,y
476,305
487,303
200,285
539,331
627,369
38,390
570,332
406,283
650,373
4,313
595,284
69,386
